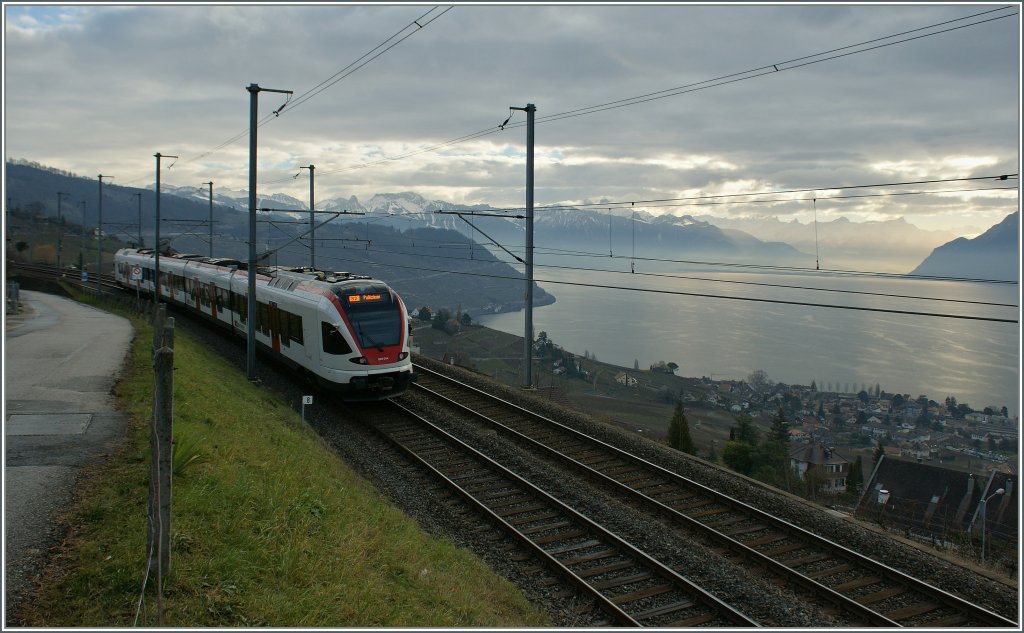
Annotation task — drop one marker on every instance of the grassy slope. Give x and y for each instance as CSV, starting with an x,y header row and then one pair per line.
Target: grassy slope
x,y
268,527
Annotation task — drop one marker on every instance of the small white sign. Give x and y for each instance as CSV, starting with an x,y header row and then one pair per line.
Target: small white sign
x,y
307,399
136,273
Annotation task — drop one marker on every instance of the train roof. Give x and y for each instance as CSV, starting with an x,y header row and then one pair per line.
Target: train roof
x,y
283,273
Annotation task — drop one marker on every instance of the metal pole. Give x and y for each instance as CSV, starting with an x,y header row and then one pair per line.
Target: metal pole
x,y
60,227
530,109
984,508
156,235
139,196
250,348
99,239
156,238
312,241
81,250
211,216
312,244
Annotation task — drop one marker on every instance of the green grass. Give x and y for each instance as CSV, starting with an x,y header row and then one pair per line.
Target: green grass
x,y
269,528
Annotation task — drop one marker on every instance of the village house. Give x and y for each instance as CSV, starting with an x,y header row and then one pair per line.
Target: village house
x,y
625,379
831,468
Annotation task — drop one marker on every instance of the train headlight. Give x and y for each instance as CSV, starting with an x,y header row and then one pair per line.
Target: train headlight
x,y
403,356
359,361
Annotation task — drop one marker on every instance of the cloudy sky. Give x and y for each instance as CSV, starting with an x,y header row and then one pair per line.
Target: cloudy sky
x,y
101,89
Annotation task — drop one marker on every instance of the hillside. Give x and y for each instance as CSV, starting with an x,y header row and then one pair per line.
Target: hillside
x,y
995,254
428,265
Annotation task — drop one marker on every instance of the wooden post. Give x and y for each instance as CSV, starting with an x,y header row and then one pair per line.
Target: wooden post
x,y
161,437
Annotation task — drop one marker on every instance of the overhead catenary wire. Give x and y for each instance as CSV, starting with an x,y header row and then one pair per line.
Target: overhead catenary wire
x,y
450,246
657,202
389,251
701,85
688,294
354,66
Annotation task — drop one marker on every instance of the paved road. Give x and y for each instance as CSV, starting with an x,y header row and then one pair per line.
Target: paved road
x,y
61,359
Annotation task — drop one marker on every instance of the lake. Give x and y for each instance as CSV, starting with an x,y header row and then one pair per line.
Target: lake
x,y
977,362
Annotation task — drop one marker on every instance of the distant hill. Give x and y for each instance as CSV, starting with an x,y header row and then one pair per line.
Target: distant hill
x,y
995,254
428,265
886,245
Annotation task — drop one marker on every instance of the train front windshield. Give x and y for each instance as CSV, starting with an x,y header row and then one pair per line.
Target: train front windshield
x,y
374,315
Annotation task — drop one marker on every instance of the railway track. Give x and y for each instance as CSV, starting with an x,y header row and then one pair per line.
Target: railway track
x,y
632,588
858,587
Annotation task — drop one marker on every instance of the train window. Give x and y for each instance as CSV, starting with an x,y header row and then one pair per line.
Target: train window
x,y
283,323
296,328
374,315
334,342
262,318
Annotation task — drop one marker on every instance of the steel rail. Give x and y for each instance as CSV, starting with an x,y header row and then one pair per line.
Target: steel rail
x,y
849,605
724,610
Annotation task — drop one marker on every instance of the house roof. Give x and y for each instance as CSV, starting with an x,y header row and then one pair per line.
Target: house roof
x,y
942,499
816,453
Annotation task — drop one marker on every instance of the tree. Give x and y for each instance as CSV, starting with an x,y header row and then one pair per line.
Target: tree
x,y
745,432
855,480
879,451
679,431
814,387
425,314
441,318
737,455
672,367
779,431
21,246
863,396
466,319
636,364
758,380
897,400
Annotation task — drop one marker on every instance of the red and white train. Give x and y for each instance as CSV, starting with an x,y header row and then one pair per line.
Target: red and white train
x,y
348,332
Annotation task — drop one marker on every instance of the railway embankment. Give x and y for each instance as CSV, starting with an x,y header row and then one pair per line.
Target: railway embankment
x,y
269,526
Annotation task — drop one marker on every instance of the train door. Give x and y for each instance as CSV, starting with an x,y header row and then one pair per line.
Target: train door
x,y
275,327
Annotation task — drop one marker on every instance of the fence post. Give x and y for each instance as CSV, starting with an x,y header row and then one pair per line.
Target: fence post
x,y
161,450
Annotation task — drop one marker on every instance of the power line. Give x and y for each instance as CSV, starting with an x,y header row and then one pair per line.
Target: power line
x,y
710,83
786,286
661,275
765,70
683,293
654,202
336,77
